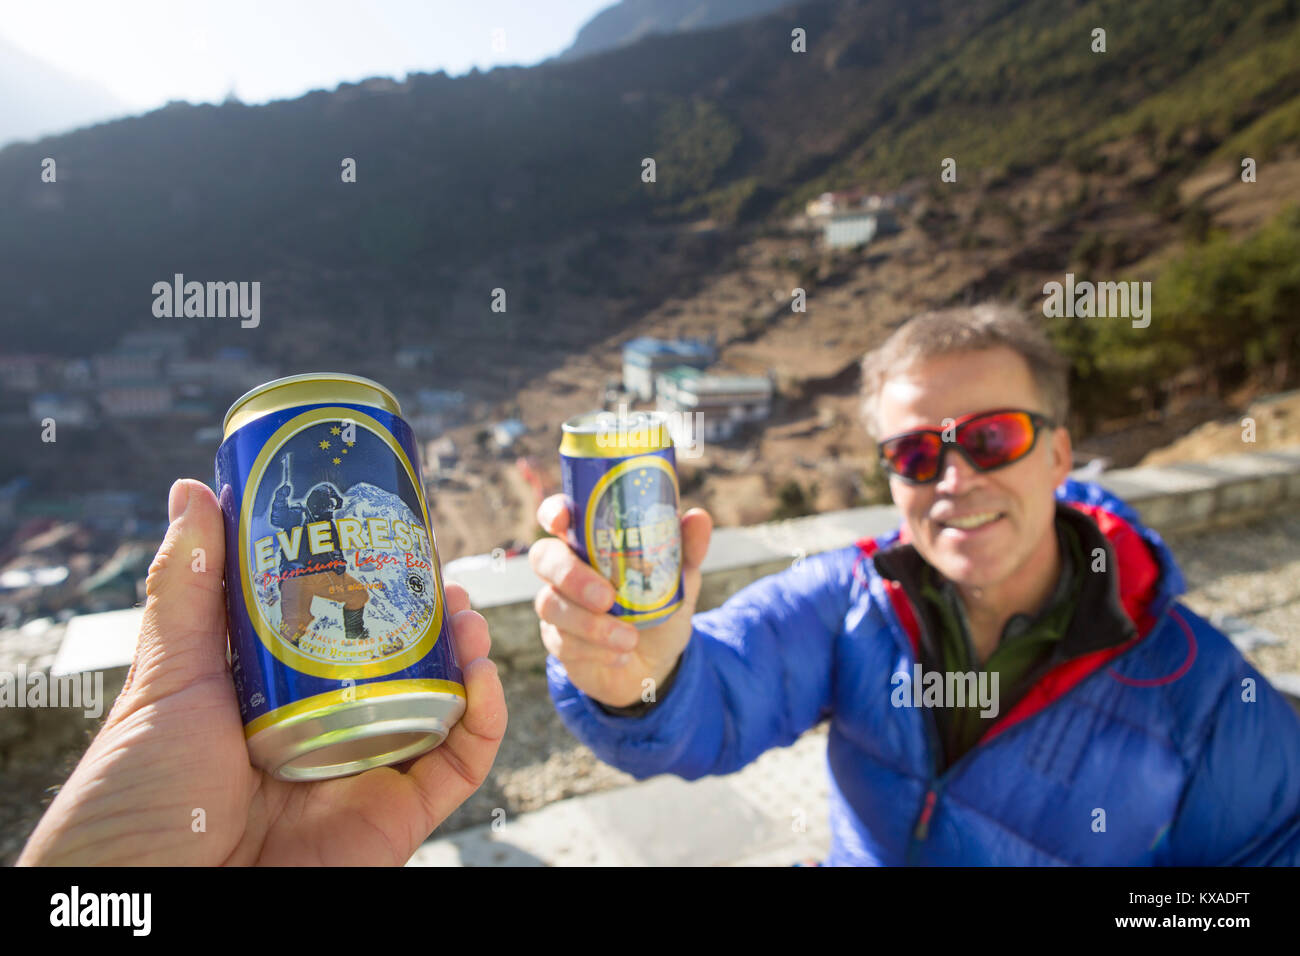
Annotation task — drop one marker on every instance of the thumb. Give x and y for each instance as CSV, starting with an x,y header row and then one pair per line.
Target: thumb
x,y
697,530
183,635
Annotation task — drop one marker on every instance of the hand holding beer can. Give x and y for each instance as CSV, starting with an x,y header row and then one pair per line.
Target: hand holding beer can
x,y
620,482
340,644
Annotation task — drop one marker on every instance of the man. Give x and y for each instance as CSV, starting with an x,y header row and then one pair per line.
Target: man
x,y
1125,729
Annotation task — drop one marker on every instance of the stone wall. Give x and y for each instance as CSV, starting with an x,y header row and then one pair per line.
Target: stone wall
x,y
1181,497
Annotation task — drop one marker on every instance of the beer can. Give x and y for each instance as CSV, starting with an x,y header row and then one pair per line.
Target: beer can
x,y
620,479
340,644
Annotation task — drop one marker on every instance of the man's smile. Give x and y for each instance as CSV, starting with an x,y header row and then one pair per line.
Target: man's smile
x,y
975,521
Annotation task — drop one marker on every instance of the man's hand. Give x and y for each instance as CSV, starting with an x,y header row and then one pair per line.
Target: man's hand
x,y
173,745
605,658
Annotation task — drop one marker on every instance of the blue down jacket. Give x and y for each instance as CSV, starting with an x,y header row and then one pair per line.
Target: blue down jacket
x,y
1162,734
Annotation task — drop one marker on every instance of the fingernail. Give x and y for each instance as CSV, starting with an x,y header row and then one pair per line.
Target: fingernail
x,y
596,593
623,637
178,499
622,660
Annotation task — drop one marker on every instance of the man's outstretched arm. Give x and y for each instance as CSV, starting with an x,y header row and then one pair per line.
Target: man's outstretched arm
x,y
723,686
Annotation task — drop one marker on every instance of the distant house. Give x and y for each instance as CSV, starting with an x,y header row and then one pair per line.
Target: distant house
x,y
439,399
65,410
853,229
854,201
159,343
22,373
506,433
425,425
645,358
413,356
136,400
77,373
725,403
854,217
192,407
116,368
224,371
442,454
827,204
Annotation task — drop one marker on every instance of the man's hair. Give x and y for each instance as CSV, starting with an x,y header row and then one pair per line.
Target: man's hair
x,y
967,329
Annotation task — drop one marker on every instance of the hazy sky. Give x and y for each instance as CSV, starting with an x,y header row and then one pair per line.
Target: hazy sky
x,y
146,52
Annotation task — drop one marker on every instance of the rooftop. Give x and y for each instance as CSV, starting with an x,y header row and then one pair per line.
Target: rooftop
x,y
652,346
683,376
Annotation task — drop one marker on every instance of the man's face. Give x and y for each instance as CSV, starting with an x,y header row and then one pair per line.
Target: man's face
x,y
1020,495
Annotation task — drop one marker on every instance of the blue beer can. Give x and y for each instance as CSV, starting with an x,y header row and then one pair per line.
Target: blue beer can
x,y
340,644
619,476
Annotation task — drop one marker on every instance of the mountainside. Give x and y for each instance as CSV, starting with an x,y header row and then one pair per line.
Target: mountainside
x,y
1122,165
477,169
43,100
632,20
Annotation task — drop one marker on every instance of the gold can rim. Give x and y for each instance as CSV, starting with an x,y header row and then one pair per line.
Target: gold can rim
x,y
606,434
256,402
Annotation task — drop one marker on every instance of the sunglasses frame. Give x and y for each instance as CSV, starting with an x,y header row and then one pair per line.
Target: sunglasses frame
x,y
1037,420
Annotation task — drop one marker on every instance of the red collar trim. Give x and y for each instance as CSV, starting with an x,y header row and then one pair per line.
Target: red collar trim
x,y
1139,581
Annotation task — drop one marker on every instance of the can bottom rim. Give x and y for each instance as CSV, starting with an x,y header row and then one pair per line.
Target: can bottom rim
x,y
345,739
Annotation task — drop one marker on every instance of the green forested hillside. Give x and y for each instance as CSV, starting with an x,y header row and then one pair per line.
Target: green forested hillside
x,y
469,172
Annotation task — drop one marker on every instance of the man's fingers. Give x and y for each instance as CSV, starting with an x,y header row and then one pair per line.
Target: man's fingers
x,y
457,598
554,561
553,514
469,634
570,649
448,775
183,635
599,629
697,530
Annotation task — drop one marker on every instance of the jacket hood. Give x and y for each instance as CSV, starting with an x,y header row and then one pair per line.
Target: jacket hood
x,y
1147,578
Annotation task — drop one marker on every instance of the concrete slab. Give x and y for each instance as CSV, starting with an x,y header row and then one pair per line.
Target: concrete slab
x,y
1244,635
1159,480
97,642
1288,684
772,813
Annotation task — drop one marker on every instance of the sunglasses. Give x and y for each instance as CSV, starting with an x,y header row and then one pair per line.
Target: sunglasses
x,y
988,440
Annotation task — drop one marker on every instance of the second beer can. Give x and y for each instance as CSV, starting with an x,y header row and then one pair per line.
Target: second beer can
x,y
620,479
340,641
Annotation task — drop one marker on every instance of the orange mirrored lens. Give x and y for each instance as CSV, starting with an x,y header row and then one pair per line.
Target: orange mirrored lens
x,y
998,439
914,456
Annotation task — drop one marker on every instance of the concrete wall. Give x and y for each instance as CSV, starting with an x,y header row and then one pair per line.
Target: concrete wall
x,y
1187,497
1182,497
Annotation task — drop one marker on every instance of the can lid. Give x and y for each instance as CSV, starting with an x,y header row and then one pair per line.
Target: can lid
x,y
311,387
607,435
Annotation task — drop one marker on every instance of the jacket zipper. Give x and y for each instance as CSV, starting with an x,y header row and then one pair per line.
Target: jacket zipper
x,y
921,829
